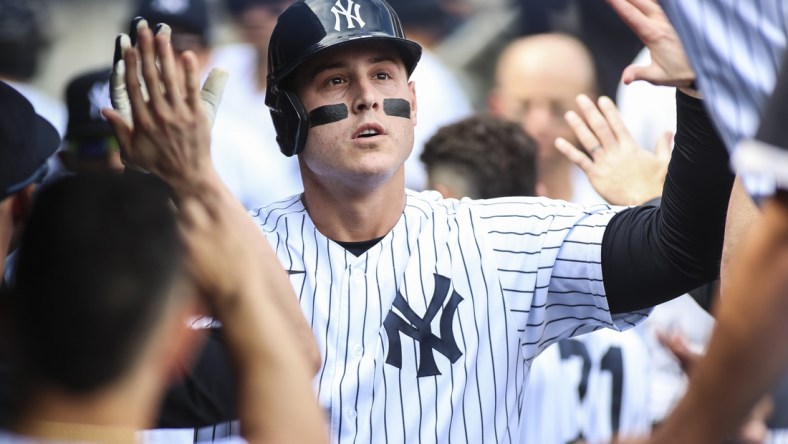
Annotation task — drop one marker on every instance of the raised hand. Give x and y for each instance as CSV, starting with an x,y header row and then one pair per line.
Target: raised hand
x,y
669,64
620,171
146,116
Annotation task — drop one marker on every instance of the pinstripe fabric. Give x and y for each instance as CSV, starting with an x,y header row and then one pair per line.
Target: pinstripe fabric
x,y
590,387
527,271
735,48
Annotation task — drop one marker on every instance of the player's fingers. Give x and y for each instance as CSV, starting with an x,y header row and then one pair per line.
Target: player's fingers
x,y
124,134
637,21
574,154
122,43
651,73
133,26
150,70
192,79
120,126
118,94
212,92
630,74
647,7
169,72
584,135
597,122
133,32
139,109
678,347
613,117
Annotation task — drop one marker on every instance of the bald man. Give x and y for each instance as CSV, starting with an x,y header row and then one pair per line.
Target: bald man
x,y
534,87
585,389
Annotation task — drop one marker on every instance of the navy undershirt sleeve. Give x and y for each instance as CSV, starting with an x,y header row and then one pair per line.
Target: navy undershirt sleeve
x,y
653,254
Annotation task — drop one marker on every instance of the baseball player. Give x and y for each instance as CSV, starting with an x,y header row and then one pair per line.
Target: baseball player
x,y
428,312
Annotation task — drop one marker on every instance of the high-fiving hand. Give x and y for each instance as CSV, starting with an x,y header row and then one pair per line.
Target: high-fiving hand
x,y
669,64
163,126
620,171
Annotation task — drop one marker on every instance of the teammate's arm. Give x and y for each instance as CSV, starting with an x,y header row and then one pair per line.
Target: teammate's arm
x,y
276,403
175,146
231,261
650,255
621,171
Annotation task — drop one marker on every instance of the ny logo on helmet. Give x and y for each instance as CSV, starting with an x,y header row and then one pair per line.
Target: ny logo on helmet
x,y
351,12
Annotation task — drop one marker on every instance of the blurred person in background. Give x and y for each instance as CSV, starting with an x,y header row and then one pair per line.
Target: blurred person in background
x,y
23,41
90,143
27,140
481,157
593,22
534,87
247,61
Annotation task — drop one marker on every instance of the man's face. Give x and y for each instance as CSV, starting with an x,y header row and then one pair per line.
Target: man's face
x,y
537,91
372,142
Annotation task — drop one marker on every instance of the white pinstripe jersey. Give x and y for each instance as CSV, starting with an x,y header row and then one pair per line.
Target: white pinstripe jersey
x,y
483,285
735,47
588,387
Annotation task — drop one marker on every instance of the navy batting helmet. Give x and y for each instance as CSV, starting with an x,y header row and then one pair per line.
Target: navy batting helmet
x,y
307,28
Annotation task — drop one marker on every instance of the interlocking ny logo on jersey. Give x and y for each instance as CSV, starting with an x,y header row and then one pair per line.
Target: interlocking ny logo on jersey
x,y
420,330
352,14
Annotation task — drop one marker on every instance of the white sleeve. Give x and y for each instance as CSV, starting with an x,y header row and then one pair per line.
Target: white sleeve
x,y
548,255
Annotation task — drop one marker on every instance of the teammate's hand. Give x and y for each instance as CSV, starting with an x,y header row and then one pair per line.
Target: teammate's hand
x,y
619,170
669,64
160,128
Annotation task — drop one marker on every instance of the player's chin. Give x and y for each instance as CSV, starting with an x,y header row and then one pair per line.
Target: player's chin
x,y
376,168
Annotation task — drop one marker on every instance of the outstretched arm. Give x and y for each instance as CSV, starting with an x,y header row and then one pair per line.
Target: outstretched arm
x,y
169,135
650,255
619,170
276,403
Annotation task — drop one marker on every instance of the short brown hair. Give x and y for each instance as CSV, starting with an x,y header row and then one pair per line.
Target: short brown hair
x,y
495,157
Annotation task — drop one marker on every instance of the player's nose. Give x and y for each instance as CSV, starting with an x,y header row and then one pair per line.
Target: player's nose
x,y
365,96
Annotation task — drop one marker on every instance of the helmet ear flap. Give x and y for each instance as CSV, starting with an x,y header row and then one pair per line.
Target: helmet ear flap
x,y
290,121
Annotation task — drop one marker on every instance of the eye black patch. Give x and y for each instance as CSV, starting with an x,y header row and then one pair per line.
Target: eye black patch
x,y
327,114
397,107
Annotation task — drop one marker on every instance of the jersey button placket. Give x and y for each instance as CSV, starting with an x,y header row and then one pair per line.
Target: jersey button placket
x,y
341,349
